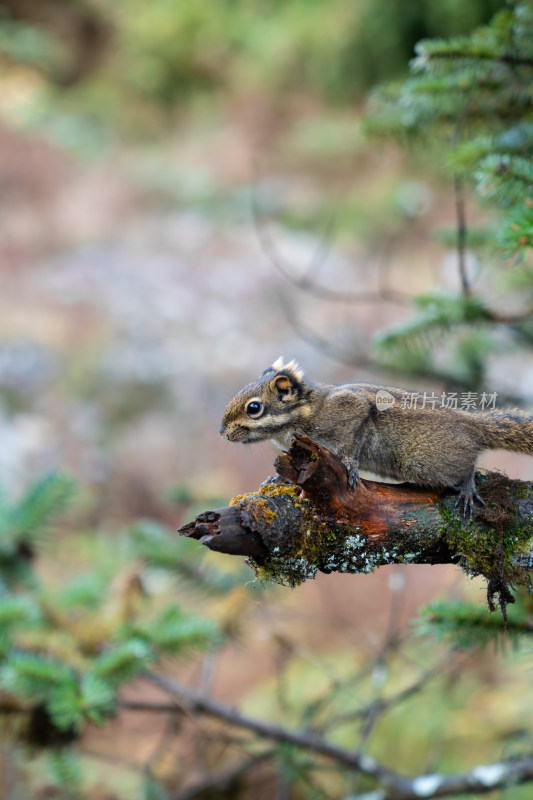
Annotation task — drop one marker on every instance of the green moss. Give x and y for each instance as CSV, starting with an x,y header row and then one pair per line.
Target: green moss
x,y
491,544
285,571
299,557
305,544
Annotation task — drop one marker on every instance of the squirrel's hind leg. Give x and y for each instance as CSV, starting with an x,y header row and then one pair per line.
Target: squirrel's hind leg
x,y
467,495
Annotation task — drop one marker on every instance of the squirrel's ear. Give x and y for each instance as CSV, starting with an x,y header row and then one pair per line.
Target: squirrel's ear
x,y
284,387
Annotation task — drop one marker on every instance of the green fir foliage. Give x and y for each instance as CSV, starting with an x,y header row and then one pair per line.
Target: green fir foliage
x,y
470,625
472,96
517,235
65,770
172,631
462,321
28,519
163,57
67,651
152,542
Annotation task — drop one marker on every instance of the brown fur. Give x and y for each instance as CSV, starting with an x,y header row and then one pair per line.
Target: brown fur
x,y
427,446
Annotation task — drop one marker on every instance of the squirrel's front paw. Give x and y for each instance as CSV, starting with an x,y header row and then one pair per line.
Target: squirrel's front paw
x,y
353,473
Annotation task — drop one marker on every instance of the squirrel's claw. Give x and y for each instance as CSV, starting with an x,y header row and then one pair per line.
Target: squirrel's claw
x,y
467,496
353,472
468,504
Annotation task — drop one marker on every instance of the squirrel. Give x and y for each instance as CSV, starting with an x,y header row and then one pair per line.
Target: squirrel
x,y
370,427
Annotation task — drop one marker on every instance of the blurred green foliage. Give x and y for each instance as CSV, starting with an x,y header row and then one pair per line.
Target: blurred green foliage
x,y
168,51
164,53
67,649
25,44
70,641
68,658
468,626
470,96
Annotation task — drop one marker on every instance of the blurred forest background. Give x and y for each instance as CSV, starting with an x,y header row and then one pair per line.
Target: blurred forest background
x,y
189,190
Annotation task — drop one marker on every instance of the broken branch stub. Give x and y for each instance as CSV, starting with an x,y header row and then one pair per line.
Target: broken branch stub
x,y
308,519
222,530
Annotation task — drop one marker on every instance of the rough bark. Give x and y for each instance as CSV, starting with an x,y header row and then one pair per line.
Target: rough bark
x,y
307,519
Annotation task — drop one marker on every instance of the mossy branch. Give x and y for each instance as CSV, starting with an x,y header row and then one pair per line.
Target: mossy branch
x,y
308,520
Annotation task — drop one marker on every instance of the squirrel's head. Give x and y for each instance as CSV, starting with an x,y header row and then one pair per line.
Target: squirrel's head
x,y
268,407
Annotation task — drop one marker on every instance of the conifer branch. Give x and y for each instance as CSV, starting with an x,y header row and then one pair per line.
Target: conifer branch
x,y
481,779
477,54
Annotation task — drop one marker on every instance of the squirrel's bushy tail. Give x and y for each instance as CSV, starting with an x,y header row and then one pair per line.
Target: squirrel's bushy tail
x,y
507,430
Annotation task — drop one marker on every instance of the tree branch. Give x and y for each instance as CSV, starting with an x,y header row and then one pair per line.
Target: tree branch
x,y
461,233
503,58
308,520
307,281
481,779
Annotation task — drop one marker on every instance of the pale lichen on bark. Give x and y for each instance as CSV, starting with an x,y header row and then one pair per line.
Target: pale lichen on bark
x,y
307,520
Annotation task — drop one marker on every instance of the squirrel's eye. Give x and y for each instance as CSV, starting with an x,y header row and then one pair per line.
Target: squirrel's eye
x,y
254,408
